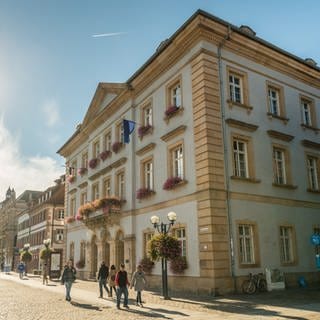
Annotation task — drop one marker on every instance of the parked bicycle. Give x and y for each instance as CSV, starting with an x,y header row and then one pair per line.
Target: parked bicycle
x,y
254,283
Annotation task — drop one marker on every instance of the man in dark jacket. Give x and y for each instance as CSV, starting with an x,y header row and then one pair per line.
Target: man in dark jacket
x,y
102,278
68,277
122,286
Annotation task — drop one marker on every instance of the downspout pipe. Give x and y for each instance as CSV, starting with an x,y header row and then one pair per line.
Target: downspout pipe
x,y
225,149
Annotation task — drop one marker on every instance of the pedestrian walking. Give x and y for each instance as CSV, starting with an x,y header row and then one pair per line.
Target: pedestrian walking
x,y
122,286
139,282
68,277
45,274
112,280
21,269
102,278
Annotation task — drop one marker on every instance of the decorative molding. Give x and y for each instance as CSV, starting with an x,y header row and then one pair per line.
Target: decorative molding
x,y
83,184
146,149
113,165
273,116
241,105
172,134
73,190
286,186
241,125
305,127
251,180
280,135
311,144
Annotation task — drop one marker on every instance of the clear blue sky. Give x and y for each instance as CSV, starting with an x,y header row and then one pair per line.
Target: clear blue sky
x,y
50,65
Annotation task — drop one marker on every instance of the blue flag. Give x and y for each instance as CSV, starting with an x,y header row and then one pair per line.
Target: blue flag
x,y
128,127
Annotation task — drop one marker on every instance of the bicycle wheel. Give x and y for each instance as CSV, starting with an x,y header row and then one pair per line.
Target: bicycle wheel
x,y
248,287
263,285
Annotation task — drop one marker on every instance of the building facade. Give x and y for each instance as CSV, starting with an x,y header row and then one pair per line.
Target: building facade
x,y
227,137
43,219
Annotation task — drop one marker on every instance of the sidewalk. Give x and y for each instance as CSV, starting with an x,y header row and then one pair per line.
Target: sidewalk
x,y
297,304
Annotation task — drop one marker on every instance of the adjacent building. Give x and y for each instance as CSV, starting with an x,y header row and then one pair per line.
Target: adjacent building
x,y
43,219
226,136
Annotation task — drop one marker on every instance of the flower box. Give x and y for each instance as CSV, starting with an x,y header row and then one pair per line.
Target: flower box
x,y
178,265
71,178
144,193
171,183
171,111
143,130
70,219
105,154
116,147
82,171
93,163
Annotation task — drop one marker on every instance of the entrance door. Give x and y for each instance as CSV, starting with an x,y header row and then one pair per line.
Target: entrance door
x,y
94,259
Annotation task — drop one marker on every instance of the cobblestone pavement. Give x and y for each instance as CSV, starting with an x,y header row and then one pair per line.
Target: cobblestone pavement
x,y
28,299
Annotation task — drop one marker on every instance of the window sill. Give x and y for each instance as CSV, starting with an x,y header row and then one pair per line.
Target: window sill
x,y
178,112
285,186
177,185
273,116
313,190
306,127
250,180
148,132
249,265
238,104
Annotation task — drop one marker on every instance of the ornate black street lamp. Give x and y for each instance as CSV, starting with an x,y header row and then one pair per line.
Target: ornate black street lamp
x,y
164,228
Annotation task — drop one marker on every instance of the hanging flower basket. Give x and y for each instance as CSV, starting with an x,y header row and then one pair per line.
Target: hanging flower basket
x,y
82,171
116,147
171,183
105,154
71,178
143,130
70,219
144,193
147,264
170,111
107,204
164,246
93,163
80,264
178,265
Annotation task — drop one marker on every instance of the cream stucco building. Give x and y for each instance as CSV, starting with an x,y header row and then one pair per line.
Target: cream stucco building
x,y
236,119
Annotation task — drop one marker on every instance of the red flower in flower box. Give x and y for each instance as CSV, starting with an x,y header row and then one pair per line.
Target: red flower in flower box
x,y
144,193
171,111
93,163
82,171
171,183
105,154
143,130
116,147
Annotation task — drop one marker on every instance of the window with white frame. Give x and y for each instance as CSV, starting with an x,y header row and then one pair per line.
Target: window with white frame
x,y
60,215
176,95
177,161
84,160
246,244
147,236
120,132
59,234
107,141
286,244
96,149
274,101
279,166
306,113
121,185
147,115
313,172
83,197
180,234
240,158
72,206
95,191
107,187
235,88
148,174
